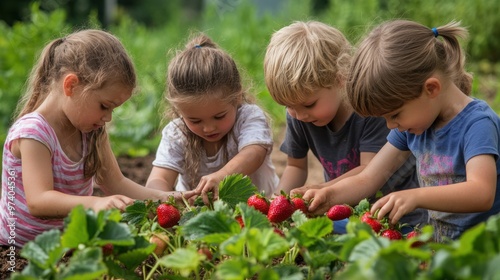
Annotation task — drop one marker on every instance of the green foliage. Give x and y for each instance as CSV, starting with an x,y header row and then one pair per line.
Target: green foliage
x,y
307,249
85,233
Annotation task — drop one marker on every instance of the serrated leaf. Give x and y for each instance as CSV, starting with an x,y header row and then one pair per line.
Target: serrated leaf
x,y
253,217
75,231
84,264
265,244
183,260
116,271
137,254
136,214
45,250
209,223
115,233
234,245
236,188
237,269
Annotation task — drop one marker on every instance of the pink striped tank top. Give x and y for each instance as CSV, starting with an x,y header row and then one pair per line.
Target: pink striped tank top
x,y
17,225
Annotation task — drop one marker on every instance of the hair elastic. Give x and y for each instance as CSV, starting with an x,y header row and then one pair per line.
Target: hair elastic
x,y
435,31
197,46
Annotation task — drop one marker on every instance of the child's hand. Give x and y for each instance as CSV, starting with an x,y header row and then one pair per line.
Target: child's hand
x,y
396,204
320,200
113,201
304,189
178,195
208,183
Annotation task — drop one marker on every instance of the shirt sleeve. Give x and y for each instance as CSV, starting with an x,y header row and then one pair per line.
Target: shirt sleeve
x,y
481,138
170,151
398,139
252,128
295,143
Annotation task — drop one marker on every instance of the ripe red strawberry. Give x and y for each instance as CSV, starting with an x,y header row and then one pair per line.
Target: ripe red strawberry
x,y
414,234
375,224
299,204
339,212
107,249
205,251
281,208
279,231
392,234
168,215
259,202
240,221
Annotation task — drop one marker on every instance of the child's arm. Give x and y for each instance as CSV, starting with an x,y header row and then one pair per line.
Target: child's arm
x,y
354,188
41,198
294,175
246,162
365,158
116,183
162,179
476,194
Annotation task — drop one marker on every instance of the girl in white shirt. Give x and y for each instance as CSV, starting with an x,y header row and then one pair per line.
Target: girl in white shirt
x,y
215,131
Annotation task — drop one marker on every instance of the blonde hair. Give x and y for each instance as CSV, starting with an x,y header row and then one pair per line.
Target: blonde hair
x,y
201,70
304,57
97,58
396,58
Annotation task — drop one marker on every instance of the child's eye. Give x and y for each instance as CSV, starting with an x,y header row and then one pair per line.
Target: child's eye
x,y
104,107
220,117
393,117
310,105
195,122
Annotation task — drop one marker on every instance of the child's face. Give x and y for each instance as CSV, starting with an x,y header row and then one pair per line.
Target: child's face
x,y
94,109
210,118
319,109
410,116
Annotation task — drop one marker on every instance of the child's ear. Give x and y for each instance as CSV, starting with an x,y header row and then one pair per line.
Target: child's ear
x,y
69,84
432,87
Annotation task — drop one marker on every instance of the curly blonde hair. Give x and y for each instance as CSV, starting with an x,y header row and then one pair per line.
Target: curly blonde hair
x,y
304,57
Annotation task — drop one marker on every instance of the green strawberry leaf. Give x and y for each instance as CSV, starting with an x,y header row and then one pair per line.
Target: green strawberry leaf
x,y
236,188
45,250
135,255
210,226
252,217
183,260
84,264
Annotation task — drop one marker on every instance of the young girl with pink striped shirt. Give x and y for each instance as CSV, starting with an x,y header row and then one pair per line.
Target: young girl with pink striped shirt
x,y
58,148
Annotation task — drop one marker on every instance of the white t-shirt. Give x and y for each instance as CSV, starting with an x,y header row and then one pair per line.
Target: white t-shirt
x,y
251,128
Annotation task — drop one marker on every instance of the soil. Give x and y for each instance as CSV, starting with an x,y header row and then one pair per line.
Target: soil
x,y
138,169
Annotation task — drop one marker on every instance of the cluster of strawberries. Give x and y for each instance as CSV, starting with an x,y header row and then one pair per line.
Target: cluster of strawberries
x,y
278,209
381,227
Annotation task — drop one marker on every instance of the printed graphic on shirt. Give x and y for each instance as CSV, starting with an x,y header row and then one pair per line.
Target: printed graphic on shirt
x,y
342,166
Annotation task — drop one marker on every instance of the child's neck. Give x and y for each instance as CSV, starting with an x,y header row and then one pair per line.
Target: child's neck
x,y
70,138
344,112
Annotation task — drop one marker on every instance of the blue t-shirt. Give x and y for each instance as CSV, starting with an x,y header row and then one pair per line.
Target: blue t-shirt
x,y
442,156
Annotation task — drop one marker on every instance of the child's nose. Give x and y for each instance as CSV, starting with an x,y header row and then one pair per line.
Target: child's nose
x,y
391,124
107,117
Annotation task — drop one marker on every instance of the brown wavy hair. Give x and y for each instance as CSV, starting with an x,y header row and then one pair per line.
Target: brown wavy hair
x,y
392,63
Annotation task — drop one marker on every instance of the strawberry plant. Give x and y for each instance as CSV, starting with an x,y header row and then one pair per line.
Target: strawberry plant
x,y
231,239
